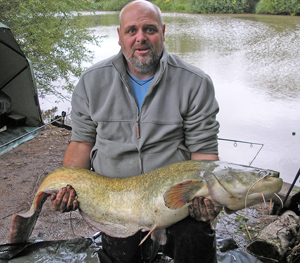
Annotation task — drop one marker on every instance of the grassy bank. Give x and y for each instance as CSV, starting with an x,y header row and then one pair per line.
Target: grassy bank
x,y
275,7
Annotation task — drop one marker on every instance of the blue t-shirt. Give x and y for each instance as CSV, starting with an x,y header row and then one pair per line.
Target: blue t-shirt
x,y
139,87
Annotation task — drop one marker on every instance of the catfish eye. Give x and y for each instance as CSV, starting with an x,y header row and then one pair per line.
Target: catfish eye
x,y
264,173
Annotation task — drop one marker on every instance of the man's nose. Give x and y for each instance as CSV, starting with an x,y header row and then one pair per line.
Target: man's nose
x,y
140,36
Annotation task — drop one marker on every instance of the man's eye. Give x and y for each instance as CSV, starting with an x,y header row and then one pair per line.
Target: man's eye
x,y
131,31
150,30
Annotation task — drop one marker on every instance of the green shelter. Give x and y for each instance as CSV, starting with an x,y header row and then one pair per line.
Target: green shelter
x,y
20,114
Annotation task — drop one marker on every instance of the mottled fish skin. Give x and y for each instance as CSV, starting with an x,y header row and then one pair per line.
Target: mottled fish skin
x,y
153,201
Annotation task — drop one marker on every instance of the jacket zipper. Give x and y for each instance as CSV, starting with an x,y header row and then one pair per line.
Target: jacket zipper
x,y
137,124
139,113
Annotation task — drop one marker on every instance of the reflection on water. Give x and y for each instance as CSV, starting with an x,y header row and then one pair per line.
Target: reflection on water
x,y
254,61
100,18
254,47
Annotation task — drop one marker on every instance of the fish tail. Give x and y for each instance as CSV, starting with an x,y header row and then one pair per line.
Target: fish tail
x,y
22,225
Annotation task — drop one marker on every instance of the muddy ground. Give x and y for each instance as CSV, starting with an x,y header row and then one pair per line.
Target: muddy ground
x,y
23,169
21,172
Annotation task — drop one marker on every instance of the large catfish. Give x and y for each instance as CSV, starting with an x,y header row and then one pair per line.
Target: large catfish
x,y
153,201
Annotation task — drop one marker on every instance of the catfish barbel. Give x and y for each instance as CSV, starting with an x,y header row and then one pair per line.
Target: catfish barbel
x,y
120,207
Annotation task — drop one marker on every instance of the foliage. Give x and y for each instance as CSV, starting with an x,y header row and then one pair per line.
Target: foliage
x,y
191,6
114,5
279,7
221,6
171,5
289,7
51,38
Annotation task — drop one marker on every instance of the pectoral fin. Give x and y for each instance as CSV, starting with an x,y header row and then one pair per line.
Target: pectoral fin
x,y
180,194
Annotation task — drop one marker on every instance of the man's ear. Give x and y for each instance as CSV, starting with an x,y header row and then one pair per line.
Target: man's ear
x,y
119,34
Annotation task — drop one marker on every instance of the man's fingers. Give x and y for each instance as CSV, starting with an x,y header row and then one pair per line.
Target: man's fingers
x,y
57,199
65,200
210,209
198,209
191,211
52,197
75,204
71,198
202,209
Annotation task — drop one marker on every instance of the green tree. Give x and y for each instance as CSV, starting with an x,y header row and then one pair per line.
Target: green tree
x,y
278,7
52,37
222,6
114,5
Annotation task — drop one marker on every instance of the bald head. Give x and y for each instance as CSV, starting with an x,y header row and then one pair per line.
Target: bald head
x,y
141,37
142,4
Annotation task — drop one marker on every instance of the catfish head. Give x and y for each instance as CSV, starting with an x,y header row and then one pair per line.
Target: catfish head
x,y
236,186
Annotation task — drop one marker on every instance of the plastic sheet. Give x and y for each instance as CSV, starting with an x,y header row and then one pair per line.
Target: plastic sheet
x,y
236,256
81,250
228,252
78,250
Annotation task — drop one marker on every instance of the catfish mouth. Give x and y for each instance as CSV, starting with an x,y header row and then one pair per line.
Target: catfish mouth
x,y
276,175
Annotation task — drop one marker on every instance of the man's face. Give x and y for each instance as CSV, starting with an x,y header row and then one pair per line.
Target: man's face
x,y
141,37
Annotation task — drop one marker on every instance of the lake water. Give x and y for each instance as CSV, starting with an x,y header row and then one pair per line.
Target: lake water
x,y
254,62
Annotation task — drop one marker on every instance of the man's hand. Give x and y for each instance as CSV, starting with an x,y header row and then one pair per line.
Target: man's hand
x,y
65,200
202,209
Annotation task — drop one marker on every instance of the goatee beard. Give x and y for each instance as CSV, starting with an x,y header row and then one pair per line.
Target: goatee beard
x,y
144,66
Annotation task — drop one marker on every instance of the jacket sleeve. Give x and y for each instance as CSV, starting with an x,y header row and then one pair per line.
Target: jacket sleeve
x,y
83,127
200,124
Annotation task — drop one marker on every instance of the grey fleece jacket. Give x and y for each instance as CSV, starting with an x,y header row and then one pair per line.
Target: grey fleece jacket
x,y
177,117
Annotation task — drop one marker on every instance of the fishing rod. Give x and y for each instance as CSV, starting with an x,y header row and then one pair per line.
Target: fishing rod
x,y
288,193
235,142
38,128
63,115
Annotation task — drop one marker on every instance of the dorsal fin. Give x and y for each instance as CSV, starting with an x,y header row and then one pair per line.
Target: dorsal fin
x,y
180,194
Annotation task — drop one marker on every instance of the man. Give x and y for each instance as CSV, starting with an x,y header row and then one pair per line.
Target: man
x,y
137,111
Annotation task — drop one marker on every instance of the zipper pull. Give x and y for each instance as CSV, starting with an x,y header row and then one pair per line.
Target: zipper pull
x,y
137,124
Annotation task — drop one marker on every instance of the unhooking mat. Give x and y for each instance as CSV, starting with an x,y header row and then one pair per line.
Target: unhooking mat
x,y
81,250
